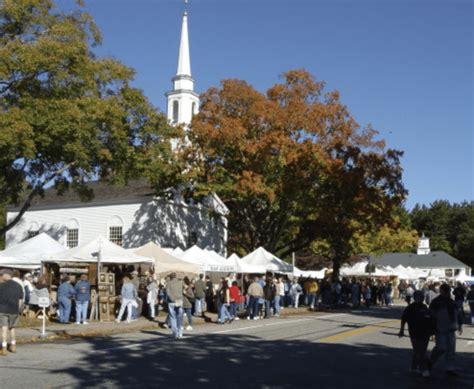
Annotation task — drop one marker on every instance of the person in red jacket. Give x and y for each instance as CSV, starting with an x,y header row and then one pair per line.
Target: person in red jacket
x,y
235,297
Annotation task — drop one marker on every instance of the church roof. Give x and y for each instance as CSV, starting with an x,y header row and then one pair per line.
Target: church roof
x,y
435,259
103,192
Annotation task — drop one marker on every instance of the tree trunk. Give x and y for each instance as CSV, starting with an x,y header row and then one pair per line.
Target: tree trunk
x,y
336,267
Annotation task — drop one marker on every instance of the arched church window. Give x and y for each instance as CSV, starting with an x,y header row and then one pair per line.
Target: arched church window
x,y
116,230
175,111
193,109
72,233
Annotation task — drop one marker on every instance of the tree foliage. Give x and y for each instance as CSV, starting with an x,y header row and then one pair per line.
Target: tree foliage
x,y
386,240
66,116
292,165
450,227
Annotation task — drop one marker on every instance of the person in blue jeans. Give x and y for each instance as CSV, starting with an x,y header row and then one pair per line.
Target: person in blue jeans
x,y
188,300
82,292
65,293
223,297
174,291
268,296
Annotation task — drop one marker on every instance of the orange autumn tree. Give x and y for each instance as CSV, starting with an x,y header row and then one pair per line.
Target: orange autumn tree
x,y
292,166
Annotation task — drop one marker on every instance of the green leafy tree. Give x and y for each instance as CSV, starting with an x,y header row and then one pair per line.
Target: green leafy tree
x,y
450,227
386,240
292,165
66,116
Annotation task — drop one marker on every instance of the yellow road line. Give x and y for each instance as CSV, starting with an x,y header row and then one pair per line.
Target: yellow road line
x,y
363,330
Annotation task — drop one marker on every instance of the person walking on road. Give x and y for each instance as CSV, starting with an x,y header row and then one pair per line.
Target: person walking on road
x,y
295,293
83,292
65,293
459,294
11,295
448,321
470,301
174,291
421,326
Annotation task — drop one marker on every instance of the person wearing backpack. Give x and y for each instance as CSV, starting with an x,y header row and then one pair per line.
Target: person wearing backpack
x,y
421,326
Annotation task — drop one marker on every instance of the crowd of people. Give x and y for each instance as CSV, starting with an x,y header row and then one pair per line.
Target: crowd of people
x,y
233,297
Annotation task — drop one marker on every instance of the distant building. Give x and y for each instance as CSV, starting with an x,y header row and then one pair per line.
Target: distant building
x,y
424,259
132,215
423,245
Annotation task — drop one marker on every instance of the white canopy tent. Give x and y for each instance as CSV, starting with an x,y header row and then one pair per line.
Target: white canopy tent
x,y
206,261
109,253
359,270
465,278
166,263
403,273
28,254
264,261
233,257
319,274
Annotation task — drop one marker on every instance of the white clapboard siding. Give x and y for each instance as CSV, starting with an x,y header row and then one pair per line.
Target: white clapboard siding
x,y
167,223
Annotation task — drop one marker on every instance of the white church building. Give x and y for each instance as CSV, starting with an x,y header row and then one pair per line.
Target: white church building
x,y
132,215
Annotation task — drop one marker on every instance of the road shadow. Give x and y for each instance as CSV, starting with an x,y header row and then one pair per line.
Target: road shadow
x,y
231,361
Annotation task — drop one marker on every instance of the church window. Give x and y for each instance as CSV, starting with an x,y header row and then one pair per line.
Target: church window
x,y
193,108
72,233
116,230
115,235
72,239
175,111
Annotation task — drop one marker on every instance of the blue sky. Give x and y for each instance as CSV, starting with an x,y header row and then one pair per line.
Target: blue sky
x,y
404,66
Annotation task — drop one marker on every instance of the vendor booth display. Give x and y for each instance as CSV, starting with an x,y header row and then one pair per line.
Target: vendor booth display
x,y
106,296
91,258
28,254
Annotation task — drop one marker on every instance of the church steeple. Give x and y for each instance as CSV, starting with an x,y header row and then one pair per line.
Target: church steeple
x,y
183,102
184,61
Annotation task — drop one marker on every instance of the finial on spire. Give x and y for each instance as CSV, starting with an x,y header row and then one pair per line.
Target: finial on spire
x,y
185,7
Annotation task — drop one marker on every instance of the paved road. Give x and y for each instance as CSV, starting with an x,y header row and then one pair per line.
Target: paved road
x,y
340,350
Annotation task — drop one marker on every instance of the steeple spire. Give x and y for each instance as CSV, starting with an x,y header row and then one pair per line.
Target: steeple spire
x,y
184,61
183,102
